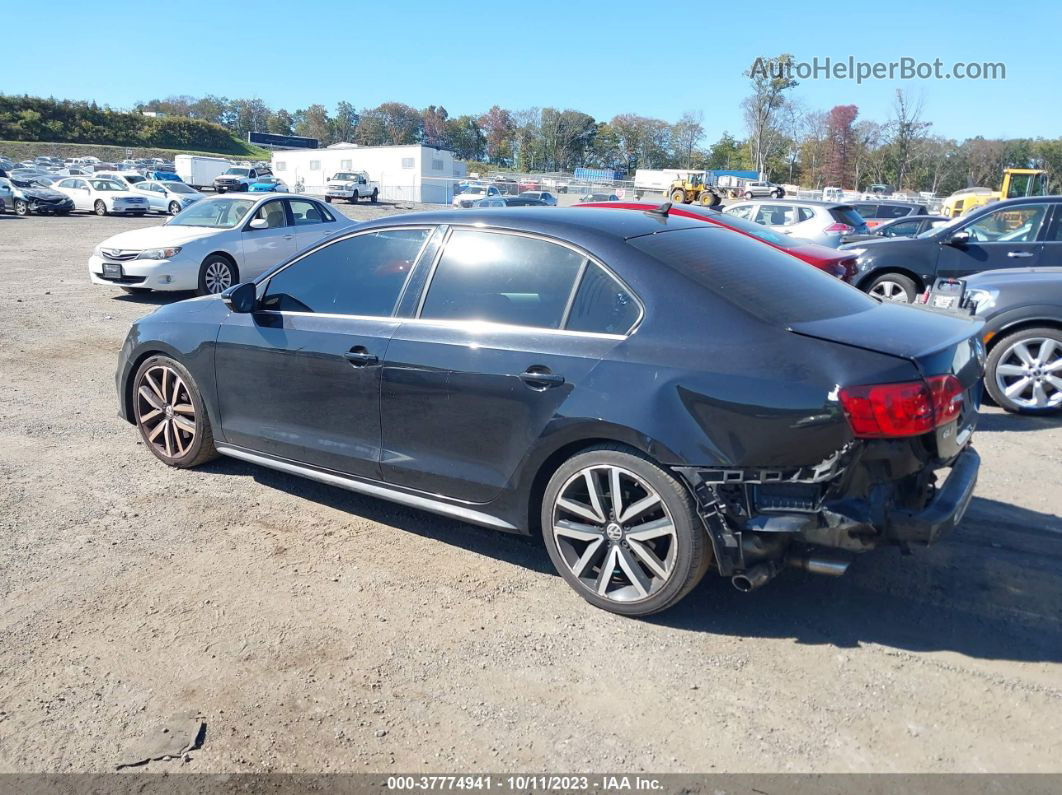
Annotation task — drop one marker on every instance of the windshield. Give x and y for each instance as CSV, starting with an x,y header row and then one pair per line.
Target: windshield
x,y
345,175
107,184
132,179
22,183
215,213
178,187
939,225
722,262
239,172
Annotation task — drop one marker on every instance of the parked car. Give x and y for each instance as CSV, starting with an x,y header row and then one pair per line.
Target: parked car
x,y
899,227
474,372
1014,233
239,178
352,185
214,243
820,222
544,196
598,197
752,190
269,184
127,178
510,201
160,175
473,193
830,260
1022,312
167,196
878,212
29,198
102,196
7,192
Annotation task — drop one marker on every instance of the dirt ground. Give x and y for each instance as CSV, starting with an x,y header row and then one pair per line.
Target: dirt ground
x,y
316,630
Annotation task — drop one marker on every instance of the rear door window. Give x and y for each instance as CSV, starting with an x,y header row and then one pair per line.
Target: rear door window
x,y
847,215
892,211
502,278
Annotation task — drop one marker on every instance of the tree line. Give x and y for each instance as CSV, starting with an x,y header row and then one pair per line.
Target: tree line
x,y
24,118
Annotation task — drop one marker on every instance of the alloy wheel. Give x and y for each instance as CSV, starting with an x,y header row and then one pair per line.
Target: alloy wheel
x,y
614,533
888,290
217,277
165,412
1029,373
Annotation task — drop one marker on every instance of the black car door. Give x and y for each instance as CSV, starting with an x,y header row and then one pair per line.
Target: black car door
x,y
299,378
1004,237
507,330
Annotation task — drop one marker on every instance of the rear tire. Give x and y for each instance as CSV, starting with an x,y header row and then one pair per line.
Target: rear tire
x,y
748,194
21,207
375,196
1028,384
633,564
894,287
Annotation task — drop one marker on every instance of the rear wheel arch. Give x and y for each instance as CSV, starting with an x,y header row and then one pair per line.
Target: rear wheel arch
x,y
866,281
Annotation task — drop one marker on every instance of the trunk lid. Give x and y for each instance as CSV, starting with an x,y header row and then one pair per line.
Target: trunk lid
x,y
937,344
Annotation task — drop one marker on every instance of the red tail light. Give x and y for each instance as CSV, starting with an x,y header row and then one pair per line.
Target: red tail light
x,y
908,409
844,229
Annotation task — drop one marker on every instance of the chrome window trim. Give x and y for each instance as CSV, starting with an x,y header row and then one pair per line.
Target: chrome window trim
x,y
587,256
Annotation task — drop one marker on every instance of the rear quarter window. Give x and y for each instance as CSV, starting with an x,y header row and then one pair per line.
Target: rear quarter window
x,y
768,284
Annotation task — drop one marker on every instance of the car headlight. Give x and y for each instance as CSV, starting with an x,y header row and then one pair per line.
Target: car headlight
x,y
159,253
981,300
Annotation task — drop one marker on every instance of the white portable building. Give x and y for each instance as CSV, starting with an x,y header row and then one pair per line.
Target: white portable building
x,y
404,173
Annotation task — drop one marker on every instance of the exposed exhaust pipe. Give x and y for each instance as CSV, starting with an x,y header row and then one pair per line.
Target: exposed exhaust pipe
x,y
830,565
755,577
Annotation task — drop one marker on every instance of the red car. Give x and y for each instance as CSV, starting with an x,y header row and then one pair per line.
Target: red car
x,y
833,261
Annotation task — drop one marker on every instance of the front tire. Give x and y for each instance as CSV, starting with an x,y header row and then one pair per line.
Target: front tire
x,y
328,199
170,414
216,275
894,288
623,532
354,198
678,196
174,208
100,208
1023,374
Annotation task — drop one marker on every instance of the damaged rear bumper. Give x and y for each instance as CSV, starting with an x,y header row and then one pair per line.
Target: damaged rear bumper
x,y
865,497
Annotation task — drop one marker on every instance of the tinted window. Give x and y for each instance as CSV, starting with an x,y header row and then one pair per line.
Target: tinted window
x,y
361,275
847,215
902,229
723,262
892,211
866,210
502,278
602,304
777,215
805,214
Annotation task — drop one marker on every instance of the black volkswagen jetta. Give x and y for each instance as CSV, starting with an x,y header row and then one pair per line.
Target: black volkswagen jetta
x,y
654,394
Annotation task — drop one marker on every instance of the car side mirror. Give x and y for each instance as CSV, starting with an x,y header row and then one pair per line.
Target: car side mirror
x,y
241,298
258,223
960,238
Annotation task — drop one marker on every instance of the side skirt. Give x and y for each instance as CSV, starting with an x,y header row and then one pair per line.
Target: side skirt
x,y
420,501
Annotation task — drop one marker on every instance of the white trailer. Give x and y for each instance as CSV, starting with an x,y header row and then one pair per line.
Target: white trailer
x,y
199,171
659,179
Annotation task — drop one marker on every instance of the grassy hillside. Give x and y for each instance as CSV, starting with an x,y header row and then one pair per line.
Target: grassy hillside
x,y
25,150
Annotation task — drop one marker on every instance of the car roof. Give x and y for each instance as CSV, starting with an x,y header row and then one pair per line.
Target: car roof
x,y
811,202
555,221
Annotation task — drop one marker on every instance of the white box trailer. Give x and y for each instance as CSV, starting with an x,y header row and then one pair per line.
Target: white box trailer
x,y
659,179
199,171
412,172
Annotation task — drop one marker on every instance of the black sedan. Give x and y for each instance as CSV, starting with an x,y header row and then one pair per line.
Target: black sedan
x,y
639,387
1022,311
1015,233
899,227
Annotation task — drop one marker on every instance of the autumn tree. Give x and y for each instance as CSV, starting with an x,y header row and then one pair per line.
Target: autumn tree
x,y
840,165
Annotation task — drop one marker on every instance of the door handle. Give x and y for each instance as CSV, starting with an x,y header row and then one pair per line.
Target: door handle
x,y
1017,254
359,357
288,237
541,379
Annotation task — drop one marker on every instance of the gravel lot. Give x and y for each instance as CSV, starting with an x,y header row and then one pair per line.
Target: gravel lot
x,y
317,630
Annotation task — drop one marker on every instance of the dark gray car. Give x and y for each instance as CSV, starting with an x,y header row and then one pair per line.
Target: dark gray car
x,y
1022,310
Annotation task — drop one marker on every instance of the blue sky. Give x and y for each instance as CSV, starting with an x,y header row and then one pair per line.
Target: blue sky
x,y
603,58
